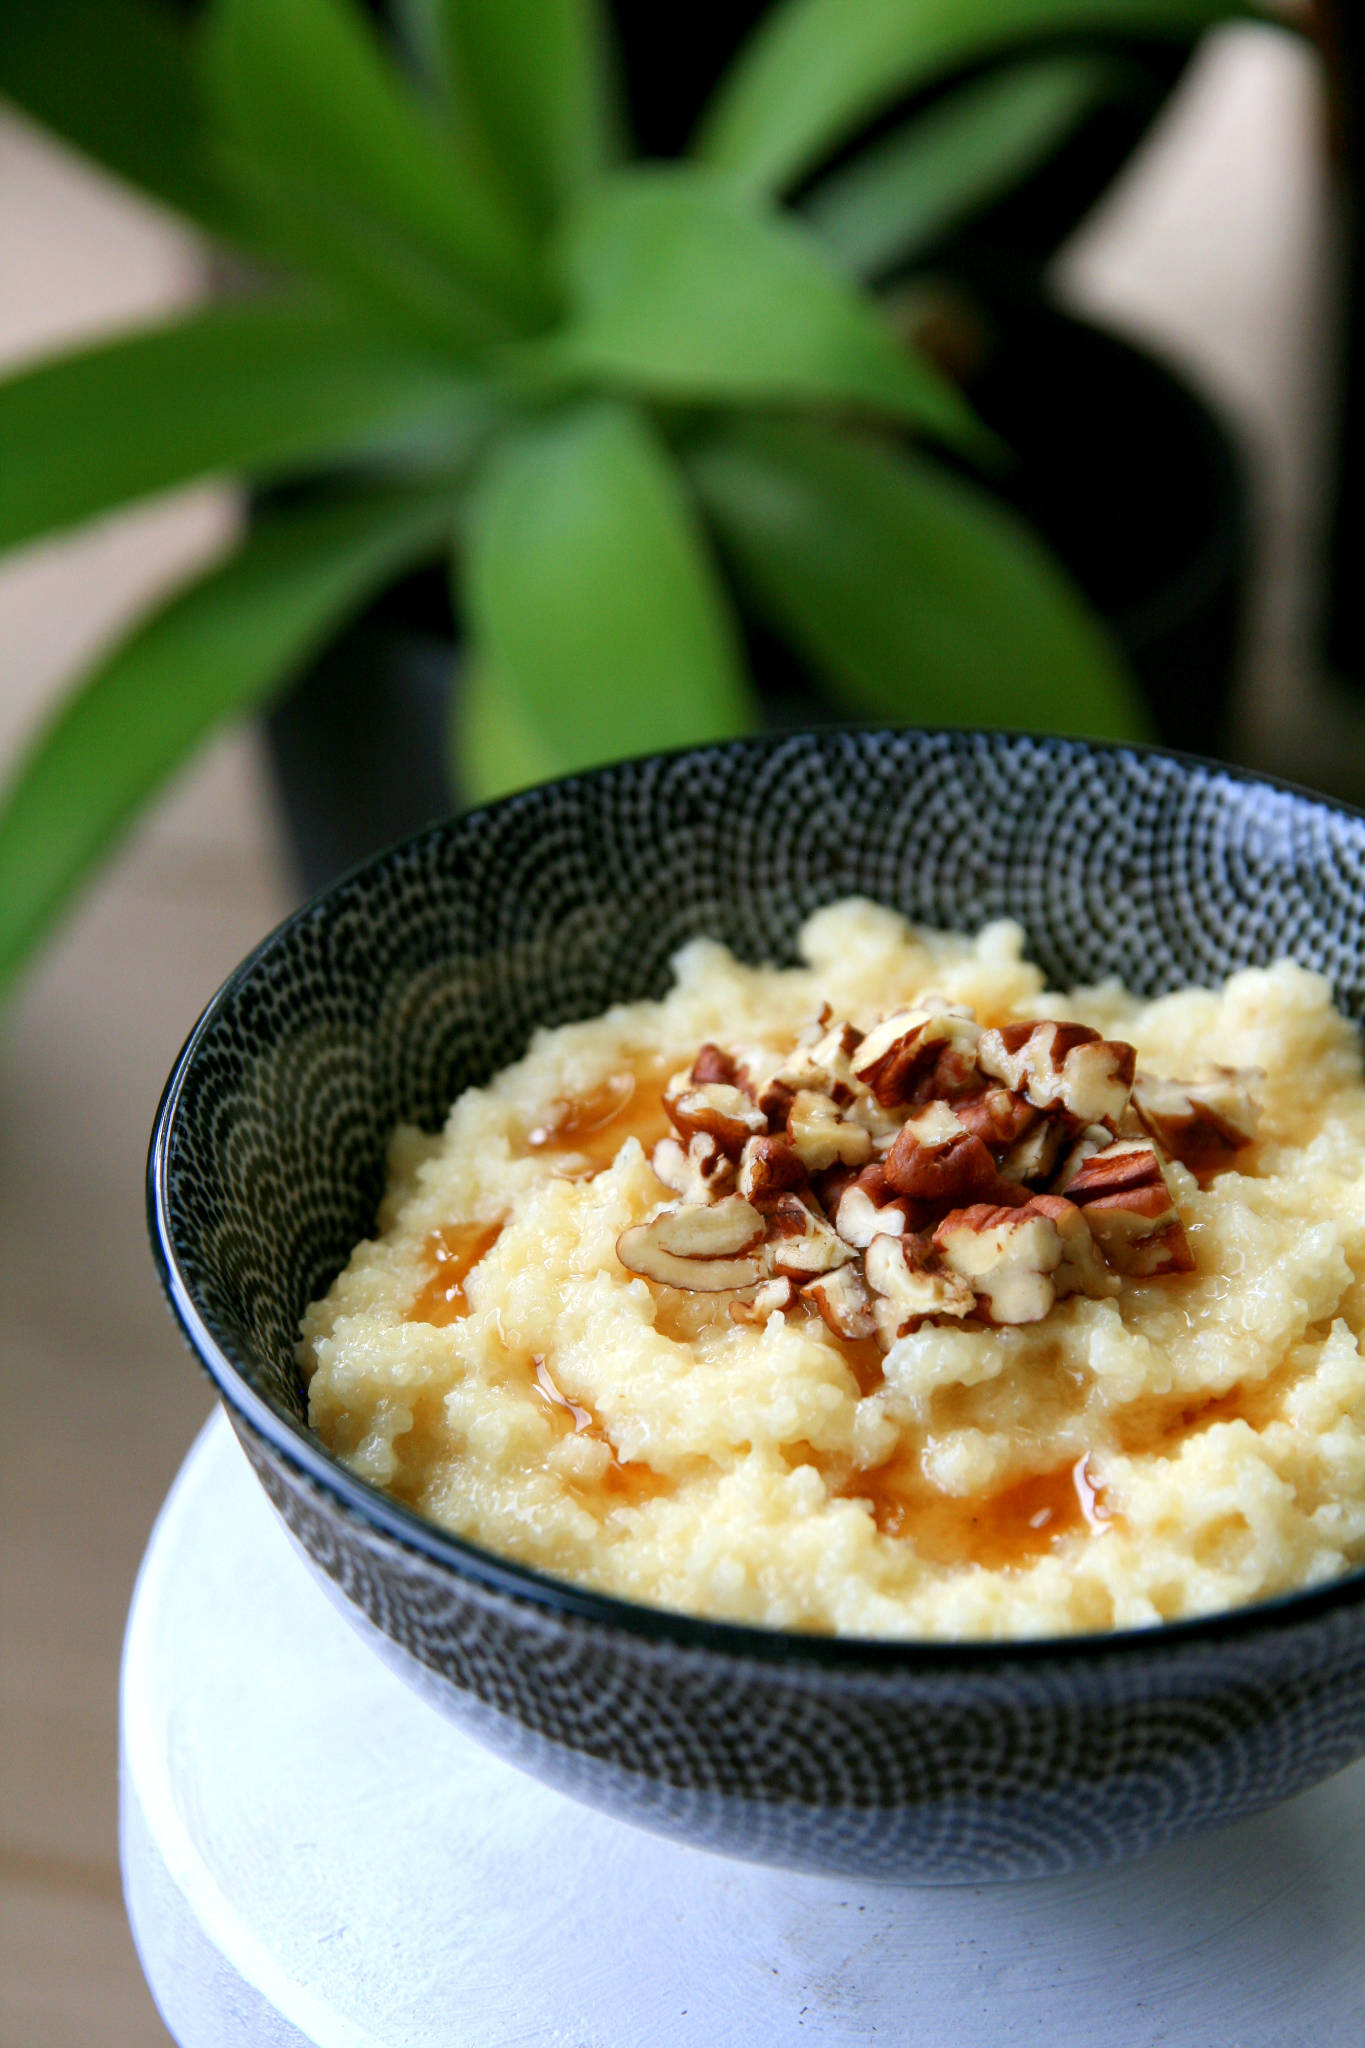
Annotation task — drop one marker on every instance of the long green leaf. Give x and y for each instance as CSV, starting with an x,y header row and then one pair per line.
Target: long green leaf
x,y
590,593
306,94
495,747
814,69
216,650
907,191
920,597
248,390
683,288
115,79
537,77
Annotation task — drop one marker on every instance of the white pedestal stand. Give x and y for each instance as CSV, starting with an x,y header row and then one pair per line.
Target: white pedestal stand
x,y
312,1856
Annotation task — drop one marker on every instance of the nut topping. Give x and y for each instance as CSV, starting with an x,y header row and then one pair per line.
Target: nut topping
x,y
1064,1067
800,1243
1007,1255
899,1049
928,1169
699,1173
998,1117
640,1251
1130,1211
766,1300
935,1160
1034,1158
768,1167
717,1110
713,1065
907,1287
726,1227
844,1302
1200,1123
869,1207
821,1137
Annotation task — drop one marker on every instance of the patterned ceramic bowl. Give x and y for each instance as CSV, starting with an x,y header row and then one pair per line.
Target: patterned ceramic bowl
x,y
427,970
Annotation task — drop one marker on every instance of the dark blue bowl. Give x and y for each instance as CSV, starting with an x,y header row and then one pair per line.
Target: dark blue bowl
x,y
428,969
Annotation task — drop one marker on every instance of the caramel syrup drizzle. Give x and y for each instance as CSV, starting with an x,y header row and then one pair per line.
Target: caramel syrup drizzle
x,y
627,1104
453,1251
625,1479
998,1531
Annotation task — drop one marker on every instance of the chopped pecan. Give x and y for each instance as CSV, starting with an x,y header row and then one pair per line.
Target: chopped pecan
x,y
1200,1123
712,1064
907,1287
767,1298
800,1243
1034,1158
717,1110
719,1230
935,1160
820,1137
825,1064
898,1051
768,1167
1094,1138
997,1116
640,1251
844,1302
1062,1067
1123,1194
775,1099
869,1207
1081,1270
698,1171
1008,1256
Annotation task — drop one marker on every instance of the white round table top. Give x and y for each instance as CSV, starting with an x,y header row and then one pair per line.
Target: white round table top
x,y
313,1856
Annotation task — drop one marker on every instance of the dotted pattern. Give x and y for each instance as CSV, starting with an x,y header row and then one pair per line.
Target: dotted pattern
x,y
428,969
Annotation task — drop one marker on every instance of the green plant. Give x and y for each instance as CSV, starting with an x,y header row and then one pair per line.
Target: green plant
x,y
617,391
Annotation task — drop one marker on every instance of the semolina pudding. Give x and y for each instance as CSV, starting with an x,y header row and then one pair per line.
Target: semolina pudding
x,y
889,1295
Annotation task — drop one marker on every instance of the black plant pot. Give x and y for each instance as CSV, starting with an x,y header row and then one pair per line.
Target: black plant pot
x,y
1130,477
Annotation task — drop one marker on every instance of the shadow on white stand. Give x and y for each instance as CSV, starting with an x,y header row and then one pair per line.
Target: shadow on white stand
x,y
314,1859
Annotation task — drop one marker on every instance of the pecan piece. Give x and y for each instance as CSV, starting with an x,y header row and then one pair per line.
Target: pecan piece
x,y
1081,1270
800,1243
1034,1158
1008,1256
712,1064
1200,1123
904,1046
824,1065
997,1116
719,1231
1132,1217
843,1302
766,1300
1094,1138
716,1110
906,1287
769,1167
1062,1067
820,1137
640,1251
869,1207
697,1171
935,1160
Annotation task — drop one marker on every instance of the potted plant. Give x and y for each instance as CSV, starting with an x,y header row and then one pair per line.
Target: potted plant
x,y
650,411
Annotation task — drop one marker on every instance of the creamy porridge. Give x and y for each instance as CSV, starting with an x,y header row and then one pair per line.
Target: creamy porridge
x,y
891,1295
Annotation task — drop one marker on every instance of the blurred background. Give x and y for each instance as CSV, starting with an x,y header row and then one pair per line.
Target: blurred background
x,y
1192,200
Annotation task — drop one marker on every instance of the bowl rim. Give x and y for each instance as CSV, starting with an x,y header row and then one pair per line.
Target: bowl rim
x,y
741,1641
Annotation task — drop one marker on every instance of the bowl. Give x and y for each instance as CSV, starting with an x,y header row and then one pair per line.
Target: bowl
x,y
427,969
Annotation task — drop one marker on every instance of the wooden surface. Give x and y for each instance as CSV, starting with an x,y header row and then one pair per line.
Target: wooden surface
x,y
1217,246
